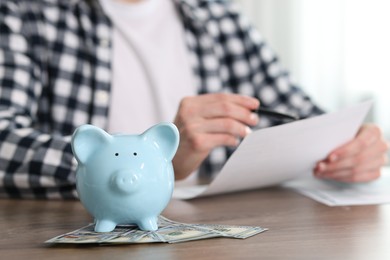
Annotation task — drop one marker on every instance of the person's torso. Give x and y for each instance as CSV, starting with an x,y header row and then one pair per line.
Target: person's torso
x,y
151,71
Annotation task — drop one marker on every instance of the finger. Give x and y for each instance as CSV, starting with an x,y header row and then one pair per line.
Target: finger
x,y
233,111
233,106
219,105
324,171
370,154
214,126
225,126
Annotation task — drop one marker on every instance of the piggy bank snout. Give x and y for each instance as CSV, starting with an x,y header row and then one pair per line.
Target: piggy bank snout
x,y
125,181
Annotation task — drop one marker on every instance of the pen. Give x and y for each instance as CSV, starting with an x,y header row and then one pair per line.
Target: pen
x,y
271,113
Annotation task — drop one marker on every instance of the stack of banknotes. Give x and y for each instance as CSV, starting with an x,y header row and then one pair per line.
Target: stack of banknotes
x,y
169,232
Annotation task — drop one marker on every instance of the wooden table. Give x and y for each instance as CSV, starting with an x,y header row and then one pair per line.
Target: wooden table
x,y
299,228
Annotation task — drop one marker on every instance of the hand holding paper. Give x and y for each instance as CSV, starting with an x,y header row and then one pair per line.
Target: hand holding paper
x,y
359,160
273,155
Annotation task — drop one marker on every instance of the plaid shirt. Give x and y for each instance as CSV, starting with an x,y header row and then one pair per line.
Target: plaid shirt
x,y
55,75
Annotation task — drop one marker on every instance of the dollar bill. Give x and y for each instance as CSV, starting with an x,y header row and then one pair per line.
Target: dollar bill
x,y
169,231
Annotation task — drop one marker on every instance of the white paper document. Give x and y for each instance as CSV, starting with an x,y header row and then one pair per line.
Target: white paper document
x,y
277,154
334,193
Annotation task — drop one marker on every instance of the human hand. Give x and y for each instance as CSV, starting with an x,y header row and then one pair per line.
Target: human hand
x,y
359,160
208,121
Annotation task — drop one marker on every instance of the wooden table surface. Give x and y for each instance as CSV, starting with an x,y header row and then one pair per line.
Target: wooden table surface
x,y
299,228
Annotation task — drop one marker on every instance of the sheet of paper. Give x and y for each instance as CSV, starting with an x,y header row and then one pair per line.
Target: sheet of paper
x,y
342,194
273,155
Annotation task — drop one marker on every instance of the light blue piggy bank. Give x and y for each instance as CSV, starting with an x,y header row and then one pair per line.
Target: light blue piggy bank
x,y
125,179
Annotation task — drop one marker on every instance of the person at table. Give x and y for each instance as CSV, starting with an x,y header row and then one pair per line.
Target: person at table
x,y
126,65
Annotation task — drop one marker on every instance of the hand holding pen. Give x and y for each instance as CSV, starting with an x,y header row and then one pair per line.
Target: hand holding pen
x,y
208,121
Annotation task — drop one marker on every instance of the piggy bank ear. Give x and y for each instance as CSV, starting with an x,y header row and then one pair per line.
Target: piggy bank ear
x,y
86,139
166,136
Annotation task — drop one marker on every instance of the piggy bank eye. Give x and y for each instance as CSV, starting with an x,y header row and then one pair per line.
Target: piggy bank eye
x,y
135,154
116,154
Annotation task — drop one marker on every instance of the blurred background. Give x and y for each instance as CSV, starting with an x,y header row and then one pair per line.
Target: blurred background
x,y
337,50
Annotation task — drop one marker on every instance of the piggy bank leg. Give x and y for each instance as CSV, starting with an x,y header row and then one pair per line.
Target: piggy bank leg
x,y
104,225
148,224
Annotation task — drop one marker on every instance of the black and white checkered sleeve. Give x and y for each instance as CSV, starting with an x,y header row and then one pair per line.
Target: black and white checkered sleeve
x,y
272,83
33,164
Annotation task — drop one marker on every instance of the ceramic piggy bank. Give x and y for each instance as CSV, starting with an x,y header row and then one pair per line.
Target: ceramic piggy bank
x,y
125,179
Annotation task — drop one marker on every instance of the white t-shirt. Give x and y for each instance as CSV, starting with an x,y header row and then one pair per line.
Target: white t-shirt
x,y
150,64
